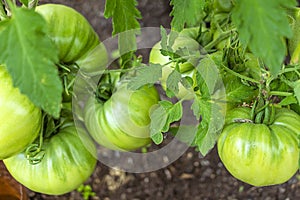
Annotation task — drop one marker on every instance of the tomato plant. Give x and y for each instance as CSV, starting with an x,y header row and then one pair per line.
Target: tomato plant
x,y
21,118
66,163
260,154
238,69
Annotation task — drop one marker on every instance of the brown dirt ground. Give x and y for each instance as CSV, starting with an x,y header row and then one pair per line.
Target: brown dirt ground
x,y
191,176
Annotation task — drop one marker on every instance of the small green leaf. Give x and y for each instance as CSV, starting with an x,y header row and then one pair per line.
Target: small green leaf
x,y
164,38
162,116
174,114
288,101
157,138
158,120
186,12
145,75
209,73
30,58
172,82
212,121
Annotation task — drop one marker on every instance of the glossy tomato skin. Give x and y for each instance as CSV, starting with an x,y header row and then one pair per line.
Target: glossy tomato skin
x,y
122,122
186,38
75,38
66,164
21,119
260,154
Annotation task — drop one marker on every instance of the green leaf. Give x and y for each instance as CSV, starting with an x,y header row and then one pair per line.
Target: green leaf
x,y
164,38
212,121
145,75
297,90
161,118
30,58
124,16
209,73
288,101
237,91
262,27
174,113
172,83
186,12
158,120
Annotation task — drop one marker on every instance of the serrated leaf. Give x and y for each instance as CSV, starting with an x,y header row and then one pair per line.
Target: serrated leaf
x,y
186,12
262,27
124,16
145,75
30,58
210,126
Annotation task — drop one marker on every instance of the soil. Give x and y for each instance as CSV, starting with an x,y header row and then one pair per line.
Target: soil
x,y
192,176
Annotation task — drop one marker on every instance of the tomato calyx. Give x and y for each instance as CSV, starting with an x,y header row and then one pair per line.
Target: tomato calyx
x,y
50,126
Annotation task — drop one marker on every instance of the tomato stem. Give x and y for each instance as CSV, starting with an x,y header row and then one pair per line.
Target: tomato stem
x,y
34,152
240,75
280,93
221,37
267,114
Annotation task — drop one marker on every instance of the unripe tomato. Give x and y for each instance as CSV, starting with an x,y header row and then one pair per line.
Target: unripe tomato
x,y
260,154
122,122
21,119
69,160
76,40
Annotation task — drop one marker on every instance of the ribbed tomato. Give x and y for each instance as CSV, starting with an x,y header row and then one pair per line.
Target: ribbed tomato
x,y
257,153
69,160
122,122
20,118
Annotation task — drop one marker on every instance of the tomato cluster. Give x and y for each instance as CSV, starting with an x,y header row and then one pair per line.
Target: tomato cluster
x,y
56,156
66,157
258,144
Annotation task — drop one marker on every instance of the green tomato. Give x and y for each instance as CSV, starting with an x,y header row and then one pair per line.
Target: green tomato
x,y
66,164
186,38
21,119
76,40
260,154
123,121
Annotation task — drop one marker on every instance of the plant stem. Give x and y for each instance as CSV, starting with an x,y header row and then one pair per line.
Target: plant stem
x,y
221,37
240,75
280,93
